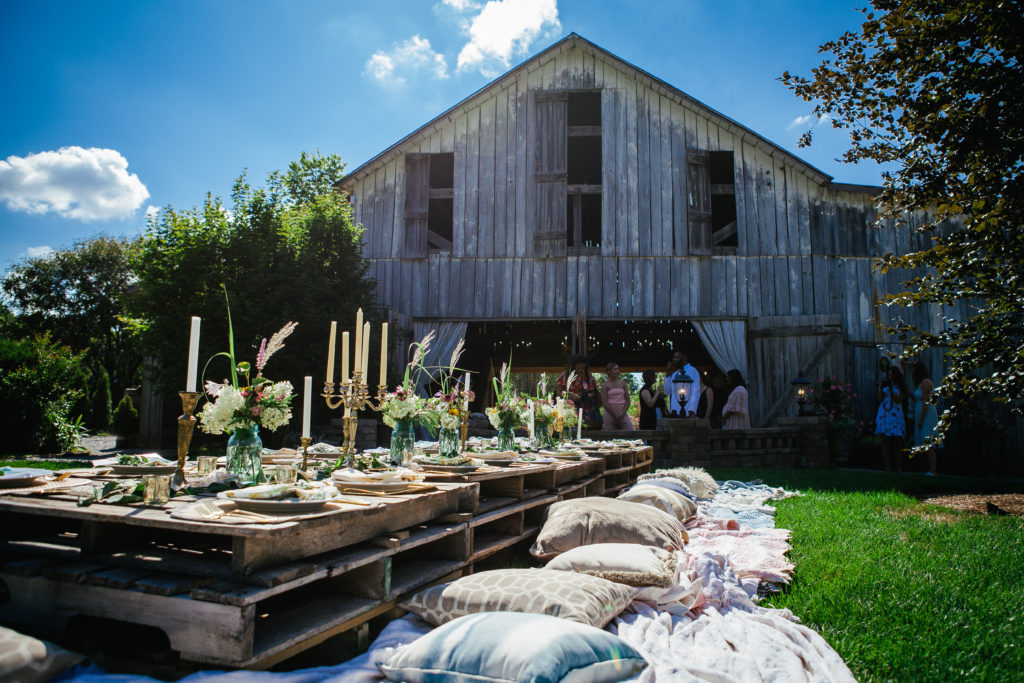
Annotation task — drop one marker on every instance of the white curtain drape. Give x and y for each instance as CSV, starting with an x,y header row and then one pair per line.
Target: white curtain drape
x,y
447,336
726,341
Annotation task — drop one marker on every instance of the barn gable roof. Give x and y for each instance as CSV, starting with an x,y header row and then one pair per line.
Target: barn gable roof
x,y
575,40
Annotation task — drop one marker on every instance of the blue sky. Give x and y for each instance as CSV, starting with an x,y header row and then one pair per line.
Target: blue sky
x,y
113,109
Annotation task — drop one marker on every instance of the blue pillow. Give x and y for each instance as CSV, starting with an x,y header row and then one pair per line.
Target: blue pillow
x,y
513,646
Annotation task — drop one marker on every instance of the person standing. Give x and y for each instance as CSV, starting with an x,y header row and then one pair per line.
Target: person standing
x,y
651,400
735,414
615,399
706,400
679,367
889,422
926,417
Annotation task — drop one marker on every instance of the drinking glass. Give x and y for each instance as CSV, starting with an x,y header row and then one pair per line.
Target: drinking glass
x,y
286,474
156,489
207,464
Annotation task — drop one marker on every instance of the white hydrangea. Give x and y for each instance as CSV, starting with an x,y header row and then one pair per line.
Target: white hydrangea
x,y
450,421
217,415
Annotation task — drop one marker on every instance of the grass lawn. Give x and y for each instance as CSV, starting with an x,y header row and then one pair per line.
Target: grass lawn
x,y
46,464
902,590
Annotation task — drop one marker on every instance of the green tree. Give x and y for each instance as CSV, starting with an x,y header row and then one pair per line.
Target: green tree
x,y
77,295
40,380
287,252
936,91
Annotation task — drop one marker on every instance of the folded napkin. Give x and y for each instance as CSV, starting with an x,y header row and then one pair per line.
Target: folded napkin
x,y
353,476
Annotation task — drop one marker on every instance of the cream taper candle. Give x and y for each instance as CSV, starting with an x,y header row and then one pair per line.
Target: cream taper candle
x,y
366,350
344,357
579,424
330,352
358,359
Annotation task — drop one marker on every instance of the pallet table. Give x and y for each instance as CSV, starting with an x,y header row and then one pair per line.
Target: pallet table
x,y
267,591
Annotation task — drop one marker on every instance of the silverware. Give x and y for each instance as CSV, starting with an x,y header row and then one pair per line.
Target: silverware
x,y
210,510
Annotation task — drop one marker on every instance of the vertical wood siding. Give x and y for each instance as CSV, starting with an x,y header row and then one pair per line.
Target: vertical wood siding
x,y
805,249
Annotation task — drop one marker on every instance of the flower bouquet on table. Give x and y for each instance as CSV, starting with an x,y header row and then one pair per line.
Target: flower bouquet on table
x,y
451,405
508,412
245,403
402,408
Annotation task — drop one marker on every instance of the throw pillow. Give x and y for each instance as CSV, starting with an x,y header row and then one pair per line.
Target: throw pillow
x,y
584,521
628,563
509,646
27,659
675,504
586,599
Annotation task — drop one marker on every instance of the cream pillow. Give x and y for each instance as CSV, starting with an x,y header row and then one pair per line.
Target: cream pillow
x,y
26,659
585,521
586,599
628,563
675,504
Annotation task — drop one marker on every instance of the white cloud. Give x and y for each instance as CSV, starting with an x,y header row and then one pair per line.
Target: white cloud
x,y
412,57
461,5
803,120
34,252
505,29
152,210
86,184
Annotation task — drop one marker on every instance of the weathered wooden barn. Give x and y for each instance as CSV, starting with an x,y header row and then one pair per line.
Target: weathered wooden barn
x,y
579,185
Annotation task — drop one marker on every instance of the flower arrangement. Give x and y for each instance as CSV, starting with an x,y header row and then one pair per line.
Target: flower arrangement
x,y
450,402
509,409
402,404
247,401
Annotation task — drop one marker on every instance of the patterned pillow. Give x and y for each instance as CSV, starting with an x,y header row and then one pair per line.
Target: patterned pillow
x,y
508,646
628,563
23,658
675,504
586,599
584,521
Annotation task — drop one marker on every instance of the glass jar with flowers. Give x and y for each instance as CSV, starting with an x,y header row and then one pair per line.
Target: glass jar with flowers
x,y
245,403
451,404
508,412
402,409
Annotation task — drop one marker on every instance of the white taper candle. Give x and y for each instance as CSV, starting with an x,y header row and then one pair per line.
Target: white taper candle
x,y
383,354
193,356
366,351
307,395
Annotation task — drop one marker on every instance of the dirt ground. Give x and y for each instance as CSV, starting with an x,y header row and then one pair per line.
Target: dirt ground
x,y
1004,503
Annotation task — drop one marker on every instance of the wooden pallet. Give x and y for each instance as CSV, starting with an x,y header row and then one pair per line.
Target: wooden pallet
x,y
129,531
255,626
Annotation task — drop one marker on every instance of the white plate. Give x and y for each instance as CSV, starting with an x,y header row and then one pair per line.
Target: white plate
x,y
284,505
21,476
379,486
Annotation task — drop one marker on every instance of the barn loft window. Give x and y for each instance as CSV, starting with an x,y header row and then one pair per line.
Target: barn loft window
x,y
429,195
568,172
711,202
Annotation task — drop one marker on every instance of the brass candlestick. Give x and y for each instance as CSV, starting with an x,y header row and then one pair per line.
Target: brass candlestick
x,y
306,441
354,395
186,425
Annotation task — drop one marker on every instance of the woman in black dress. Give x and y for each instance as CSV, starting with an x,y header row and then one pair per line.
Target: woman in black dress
x,y
651,400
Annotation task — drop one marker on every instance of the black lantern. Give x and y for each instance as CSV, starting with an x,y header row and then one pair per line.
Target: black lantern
x,y
682,385
800,387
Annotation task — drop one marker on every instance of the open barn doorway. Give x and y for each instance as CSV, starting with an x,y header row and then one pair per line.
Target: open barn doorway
x,y
545,346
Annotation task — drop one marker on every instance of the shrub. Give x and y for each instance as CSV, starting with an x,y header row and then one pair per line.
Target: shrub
x,y
40,381
834,400
125,422
99,416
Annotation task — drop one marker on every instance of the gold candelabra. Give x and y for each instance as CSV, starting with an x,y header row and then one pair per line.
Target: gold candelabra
x,y
186,425
354,396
